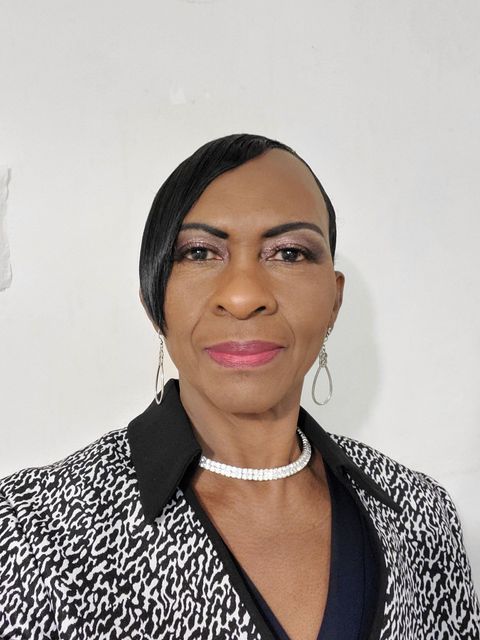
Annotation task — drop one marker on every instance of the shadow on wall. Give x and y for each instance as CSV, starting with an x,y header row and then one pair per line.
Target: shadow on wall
x,y
353,361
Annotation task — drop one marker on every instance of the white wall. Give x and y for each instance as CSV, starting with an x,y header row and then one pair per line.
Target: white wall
x,y
101,100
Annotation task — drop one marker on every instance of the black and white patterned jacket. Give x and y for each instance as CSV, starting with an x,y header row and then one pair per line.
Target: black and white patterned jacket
x,y
110,543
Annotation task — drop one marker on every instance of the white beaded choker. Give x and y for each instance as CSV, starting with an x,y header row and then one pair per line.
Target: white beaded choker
x,y
274,473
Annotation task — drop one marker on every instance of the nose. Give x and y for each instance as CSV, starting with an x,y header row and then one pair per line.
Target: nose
x,y
243,291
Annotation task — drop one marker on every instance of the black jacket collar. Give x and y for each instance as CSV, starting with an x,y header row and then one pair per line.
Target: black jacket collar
x,y
164,448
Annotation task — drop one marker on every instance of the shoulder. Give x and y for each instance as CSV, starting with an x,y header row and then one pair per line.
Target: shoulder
x,y
67,484
387,472
425,535
47,513
415,492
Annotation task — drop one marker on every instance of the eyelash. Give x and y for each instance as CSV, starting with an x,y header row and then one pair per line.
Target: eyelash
x,y
309,256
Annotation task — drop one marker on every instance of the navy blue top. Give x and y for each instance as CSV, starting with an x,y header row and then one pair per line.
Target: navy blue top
x,y
353,584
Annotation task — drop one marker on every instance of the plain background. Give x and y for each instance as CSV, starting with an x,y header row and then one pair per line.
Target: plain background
x,y
99,103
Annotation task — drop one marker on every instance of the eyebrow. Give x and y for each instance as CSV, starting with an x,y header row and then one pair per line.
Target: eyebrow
x,y
270,233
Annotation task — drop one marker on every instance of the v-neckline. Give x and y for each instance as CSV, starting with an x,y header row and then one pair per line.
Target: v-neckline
x,y
280,632
240,580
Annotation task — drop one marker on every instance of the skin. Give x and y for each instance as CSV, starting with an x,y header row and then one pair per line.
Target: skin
x,y
244,288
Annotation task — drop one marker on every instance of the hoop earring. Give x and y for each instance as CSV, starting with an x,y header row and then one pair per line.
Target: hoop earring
x,y
159,368
322,364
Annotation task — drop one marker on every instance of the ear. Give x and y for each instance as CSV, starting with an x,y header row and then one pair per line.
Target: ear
x,y
340,283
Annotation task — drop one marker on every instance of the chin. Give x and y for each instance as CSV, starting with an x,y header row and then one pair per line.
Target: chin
x,y
244,393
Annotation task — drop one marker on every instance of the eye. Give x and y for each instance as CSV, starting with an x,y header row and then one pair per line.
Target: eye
x,y
195,253
291,254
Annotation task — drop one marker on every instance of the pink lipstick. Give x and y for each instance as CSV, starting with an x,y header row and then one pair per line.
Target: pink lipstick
x,y
252,353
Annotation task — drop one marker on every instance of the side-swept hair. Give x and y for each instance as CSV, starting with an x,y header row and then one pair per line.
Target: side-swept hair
x,y
176,197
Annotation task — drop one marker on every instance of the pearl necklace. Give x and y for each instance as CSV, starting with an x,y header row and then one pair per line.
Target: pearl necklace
x,y
274,473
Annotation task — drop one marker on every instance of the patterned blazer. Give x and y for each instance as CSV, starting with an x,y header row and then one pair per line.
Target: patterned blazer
x,y
111,543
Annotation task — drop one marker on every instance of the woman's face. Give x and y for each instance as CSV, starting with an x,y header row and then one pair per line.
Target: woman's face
x,y
244,286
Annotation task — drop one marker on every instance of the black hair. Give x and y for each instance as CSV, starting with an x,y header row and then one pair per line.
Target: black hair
x,y
176,197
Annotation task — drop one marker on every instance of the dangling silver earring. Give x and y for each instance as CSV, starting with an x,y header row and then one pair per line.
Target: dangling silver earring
x,y
322,364
159,368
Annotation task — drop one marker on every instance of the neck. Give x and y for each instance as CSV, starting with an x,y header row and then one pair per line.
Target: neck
x,y
254,440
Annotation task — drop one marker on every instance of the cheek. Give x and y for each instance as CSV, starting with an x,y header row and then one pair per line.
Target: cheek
x,y
179,301
308,308
313,296
182,311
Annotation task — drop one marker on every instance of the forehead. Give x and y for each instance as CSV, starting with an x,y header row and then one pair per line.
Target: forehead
x,y
272,188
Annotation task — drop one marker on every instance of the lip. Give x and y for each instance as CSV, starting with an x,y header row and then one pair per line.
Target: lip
x,y
239,355
246,347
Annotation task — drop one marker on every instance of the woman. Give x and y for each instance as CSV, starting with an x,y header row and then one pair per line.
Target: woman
x,y
224,510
